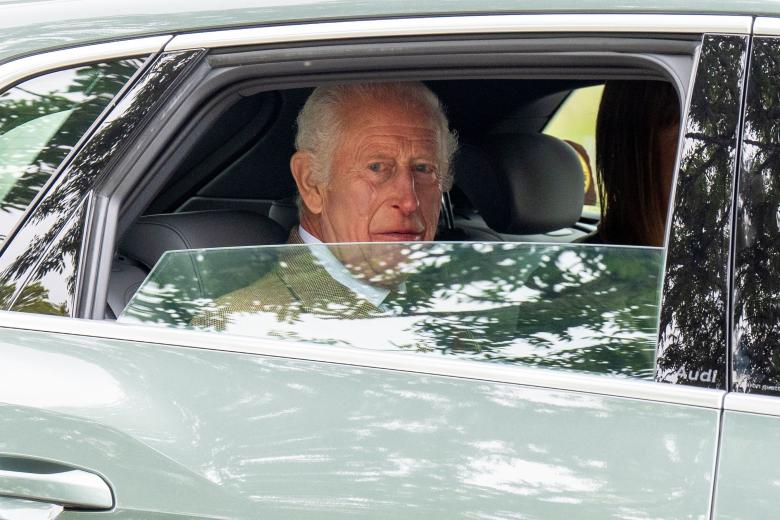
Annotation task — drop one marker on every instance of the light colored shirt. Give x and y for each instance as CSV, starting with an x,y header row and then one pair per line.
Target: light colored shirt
x,y
372,294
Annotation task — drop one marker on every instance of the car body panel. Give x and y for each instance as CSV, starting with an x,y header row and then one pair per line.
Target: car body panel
x,y
749,463
457,25
29,27
207,433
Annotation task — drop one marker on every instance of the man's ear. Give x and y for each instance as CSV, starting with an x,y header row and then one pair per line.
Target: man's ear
x,y
301,166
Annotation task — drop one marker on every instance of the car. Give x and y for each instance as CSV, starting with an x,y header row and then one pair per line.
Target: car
x,y
144,154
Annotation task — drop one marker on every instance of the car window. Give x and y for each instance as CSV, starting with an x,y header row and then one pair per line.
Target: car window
x,y
499,302
42,119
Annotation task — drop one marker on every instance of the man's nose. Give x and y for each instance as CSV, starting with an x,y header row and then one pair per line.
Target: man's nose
x,y
405,192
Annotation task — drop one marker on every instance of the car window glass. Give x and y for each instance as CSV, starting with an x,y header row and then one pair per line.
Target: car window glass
x,y
573,306
756,347
42,119
51,288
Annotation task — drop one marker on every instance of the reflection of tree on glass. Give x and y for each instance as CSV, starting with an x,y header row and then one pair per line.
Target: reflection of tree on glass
x,y
40,122
578,307
692,340
756,349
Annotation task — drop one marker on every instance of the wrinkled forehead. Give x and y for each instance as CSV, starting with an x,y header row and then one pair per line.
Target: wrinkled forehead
x,y
373,120
389,111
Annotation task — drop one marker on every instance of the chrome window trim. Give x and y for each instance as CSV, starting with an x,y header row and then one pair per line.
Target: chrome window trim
x,y
405,362
764,26
430,26
17,70
752,403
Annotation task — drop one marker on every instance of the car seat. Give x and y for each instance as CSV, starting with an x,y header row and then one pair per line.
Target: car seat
x,y
152,235
520,184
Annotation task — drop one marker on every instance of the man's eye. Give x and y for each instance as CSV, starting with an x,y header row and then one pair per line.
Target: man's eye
x,y
424,168
377,167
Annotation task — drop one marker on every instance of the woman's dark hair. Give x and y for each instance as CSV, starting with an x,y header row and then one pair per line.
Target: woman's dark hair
x,y
632,192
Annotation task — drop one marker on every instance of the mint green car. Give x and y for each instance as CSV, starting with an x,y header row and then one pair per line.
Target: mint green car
x,y
524,372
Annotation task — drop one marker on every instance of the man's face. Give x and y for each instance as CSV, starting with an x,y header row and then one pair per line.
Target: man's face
x,y
384,183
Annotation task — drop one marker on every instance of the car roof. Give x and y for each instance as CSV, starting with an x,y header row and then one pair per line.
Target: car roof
x,y
32,26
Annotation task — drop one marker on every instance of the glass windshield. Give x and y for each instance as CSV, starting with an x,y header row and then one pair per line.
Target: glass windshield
x,y
575,306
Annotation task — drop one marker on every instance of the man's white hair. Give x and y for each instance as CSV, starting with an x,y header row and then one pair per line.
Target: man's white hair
x,y
323,118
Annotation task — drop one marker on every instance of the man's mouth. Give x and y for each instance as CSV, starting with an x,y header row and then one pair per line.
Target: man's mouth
x,y
400,235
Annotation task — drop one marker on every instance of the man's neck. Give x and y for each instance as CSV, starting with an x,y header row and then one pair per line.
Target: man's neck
x,y
307,237
373,294
312,226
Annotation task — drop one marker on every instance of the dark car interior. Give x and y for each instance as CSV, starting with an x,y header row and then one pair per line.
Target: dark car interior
x,y
243,161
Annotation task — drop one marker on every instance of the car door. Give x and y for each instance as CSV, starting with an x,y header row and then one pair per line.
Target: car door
x,y
166,423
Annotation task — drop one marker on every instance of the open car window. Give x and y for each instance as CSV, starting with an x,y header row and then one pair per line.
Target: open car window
x,y
581,307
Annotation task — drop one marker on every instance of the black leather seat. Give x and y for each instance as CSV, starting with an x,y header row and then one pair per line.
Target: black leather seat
x,y
152,235
520,184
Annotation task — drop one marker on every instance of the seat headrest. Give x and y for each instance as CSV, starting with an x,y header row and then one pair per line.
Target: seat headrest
x,y
522,183
153,235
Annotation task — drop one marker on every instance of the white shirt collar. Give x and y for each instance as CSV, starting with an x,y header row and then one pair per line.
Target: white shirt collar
x,y
374,295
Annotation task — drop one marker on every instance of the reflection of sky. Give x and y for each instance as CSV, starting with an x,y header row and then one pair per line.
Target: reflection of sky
x,y
526,478
579,338
476,296
54,83
514,396
30,377
394,332
572,262
388,333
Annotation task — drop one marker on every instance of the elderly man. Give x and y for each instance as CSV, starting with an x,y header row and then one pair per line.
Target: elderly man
x,y
371,163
